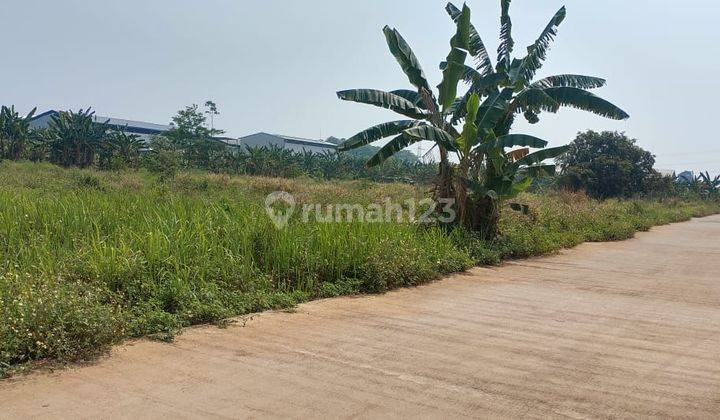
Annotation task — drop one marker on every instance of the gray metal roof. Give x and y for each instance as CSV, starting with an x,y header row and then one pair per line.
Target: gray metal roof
x,y
119,122
289,139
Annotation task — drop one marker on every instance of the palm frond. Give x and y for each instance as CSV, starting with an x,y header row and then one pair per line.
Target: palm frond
x,y
493,109
468,137
469,74
586,101
484,86
533,100
537,52
455,63
434,134
569,80
393,146
375,133
384,100
524,140
540,156
513,140
406,58
411,96
506,42
477,47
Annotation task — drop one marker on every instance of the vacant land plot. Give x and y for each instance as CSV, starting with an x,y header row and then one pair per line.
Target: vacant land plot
x,y
91,258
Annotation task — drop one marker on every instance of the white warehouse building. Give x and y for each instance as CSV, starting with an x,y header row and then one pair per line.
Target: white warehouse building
x,y
295,144
143,129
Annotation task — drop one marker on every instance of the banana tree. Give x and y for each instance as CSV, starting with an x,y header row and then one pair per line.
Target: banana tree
x,y
487,173
75,138
15,133
709,187
121,145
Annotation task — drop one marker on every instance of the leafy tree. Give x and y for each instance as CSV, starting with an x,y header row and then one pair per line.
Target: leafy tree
x,y
15,133
164,159
487,173
607,164
211,109
659,186
190,134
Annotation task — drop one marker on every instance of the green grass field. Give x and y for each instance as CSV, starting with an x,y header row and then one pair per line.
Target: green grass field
x,y
91,258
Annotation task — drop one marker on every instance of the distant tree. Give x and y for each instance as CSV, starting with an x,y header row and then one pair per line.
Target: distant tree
x,y
15,133
190,134
164,159
607,164
212,110
661,186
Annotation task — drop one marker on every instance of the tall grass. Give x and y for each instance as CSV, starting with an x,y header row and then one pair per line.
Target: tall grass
x,y
90,258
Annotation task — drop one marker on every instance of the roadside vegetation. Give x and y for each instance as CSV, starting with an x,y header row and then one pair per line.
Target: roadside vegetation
x,y
94,257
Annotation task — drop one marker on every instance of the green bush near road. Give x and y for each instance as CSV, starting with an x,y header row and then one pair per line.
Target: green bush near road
x,y
90,258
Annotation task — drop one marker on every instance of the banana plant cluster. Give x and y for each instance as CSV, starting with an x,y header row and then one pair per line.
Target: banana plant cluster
x,y
120,148
493,165
74,138
15,133
708,186
275,161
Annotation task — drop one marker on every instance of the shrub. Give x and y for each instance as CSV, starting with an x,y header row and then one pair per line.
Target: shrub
x,y
605,165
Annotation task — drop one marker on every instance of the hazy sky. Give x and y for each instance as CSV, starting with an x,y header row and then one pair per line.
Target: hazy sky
x,y
275,65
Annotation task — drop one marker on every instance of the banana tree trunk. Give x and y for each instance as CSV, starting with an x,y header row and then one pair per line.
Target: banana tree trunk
x,y
484,217
461,195
444,188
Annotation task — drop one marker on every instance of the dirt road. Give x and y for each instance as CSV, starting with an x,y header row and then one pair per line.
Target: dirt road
x,y
628,329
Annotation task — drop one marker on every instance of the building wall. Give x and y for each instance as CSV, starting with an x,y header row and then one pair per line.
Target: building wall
x,y
41,122
262,140
301,147
269,140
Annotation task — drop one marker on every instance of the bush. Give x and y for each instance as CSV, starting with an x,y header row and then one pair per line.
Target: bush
x,y
163,158
605,165
51,318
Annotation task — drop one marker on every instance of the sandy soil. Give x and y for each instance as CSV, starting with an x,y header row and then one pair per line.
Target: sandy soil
x,y
628,329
